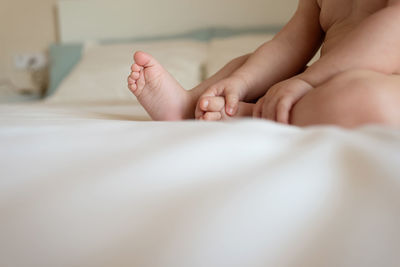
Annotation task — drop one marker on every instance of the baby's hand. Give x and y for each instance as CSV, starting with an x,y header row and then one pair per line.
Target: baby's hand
x,y
280,98
217,105
232,89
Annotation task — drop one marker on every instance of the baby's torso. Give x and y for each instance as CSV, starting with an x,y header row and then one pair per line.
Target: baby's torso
x,y
339,17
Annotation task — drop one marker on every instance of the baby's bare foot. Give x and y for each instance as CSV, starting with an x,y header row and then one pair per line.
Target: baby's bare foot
x,y
157,91
214,109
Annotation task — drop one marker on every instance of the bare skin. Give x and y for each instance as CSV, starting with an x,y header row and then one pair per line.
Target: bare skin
x,y
165,100
360,41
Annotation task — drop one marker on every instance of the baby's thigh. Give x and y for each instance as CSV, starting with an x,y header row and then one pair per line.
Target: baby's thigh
x,y
351,99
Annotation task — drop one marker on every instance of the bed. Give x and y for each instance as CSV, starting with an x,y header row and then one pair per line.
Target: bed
x,y
87,179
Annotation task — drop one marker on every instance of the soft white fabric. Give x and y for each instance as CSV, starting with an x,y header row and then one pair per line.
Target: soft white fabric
x,y
92,186
102,73
223,50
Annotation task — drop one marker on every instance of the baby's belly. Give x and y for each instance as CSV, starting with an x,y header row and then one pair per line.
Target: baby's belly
x,y
340,33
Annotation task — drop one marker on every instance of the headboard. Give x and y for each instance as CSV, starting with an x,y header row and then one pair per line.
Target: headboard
x,y
84,20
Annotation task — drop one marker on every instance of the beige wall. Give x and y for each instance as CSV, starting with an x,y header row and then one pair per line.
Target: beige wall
x,y
25,26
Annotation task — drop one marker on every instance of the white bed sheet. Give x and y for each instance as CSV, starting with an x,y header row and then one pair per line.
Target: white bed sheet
x,y
95,185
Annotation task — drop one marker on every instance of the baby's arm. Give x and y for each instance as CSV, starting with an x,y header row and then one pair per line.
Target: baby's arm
x,y
287,54
373,45
284,56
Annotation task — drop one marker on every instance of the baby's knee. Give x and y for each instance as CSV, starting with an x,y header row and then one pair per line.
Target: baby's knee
x,y
349,99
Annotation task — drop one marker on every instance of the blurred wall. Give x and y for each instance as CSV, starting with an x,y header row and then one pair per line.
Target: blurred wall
x,y
26,26
117,19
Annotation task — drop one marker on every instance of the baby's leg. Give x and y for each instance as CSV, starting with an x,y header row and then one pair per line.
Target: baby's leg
x,y
351,99
217,105
161,95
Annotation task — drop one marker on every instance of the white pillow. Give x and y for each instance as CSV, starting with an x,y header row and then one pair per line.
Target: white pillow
x,y
223,50
102,73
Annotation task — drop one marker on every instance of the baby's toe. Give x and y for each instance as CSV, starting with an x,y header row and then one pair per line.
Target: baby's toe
x,y
212,116
140,82
135,68
132,87
131,81
134,75
212,104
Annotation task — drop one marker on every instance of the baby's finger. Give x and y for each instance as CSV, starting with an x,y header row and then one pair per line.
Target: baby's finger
x,y
232,102
212,104
212,116
257,111
268,111
215,90
282,110
198,113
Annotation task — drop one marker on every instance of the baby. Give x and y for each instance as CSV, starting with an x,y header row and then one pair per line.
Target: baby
x,y
356,80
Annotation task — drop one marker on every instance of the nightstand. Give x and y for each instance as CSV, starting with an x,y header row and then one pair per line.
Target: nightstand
x,y
11,96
